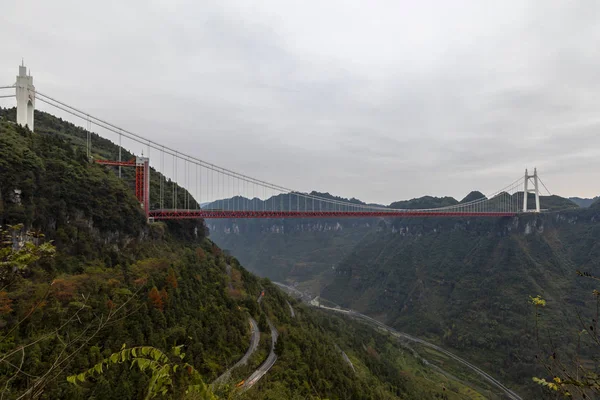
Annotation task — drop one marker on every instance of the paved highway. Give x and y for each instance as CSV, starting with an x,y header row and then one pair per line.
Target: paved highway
x,y
254,340
292,313
266,366
509,393
293,290
345,357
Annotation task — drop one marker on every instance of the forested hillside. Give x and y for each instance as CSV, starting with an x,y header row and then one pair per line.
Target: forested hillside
x,y
583,202
306,251
463,283
291,250
466,284
106,280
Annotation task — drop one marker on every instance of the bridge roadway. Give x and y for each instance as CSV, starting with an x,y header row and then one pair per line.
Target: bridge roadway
x,y
224,214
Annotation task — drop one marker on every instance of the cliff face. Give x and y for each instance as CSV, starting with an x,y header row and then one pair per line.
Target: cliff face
x,y
466,283
291,250
297,250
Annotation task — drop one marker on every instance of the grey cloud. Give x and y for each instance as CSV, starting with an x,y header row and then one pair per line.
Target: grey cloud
x,y
379,101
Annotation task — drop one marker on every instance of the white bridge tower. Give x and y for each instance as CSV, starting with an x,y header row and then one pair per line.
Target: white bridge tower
x,y
531,179
25,98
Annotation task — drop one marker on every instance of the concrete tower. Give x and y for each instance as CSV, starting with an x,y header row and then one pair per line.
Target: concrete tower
x,y
534,190
25,98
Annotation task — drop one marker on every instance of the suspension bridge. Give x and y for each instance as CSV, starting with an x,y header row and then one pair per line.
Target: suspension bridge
x,y
230,194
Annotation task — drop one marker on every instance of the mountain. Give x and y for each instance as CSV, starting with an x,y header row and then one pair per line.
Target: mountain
x,y
424,202
292,250
583,202
553,203
474,195
465,283
114,281
307,250
461,282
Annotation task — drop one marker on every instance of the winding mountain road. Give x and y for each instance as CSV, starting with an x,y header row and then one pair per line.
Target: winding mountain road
x,y
254,340
509,393
265,366
293,290
292,313
345,357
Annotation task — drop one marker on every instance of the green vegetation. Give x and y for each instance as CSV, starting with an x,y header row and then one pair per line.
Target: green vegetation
x,y
424,202
83,274
582,202
291,249
573,375
310,364
462,283
163,371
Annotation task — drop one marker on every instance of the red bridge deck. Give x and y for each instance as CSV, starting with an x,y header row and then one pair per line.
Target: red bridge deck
x,y
207,214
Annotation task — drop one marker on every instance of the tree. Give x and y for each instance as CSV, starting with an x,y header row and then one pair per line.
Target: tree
x,y
172,278
18,252
5,303
200,254
164,370
280,345
156,299
571,378
262,323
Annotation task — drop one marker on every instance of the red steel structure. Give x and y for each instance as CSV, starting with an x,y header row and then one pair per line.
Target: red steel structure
x,y
142,193
220,214
142,178
236,195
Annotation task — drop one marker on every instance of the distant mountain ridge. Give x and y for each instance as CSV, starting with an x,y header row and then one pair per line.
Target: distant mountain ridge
x,y
282,201
184,291
436,277
584,202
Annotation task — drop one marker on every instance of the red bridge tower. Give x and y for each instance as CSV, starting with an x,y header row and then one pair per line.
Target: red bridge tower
x,y
142,178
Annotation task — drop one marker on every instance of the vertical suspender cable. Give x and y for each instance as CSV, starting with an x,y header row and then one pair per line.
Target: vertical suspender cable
x,y
120,137
162,178
175,181
149,177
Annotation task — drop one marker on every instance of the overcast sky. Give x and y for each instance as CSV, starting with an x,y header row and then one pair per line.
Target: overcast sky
x,y
380,100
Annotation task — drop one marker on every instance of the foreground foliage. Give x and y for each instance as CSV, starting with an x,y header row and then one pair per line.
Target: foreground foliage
x,y
162,368
573,376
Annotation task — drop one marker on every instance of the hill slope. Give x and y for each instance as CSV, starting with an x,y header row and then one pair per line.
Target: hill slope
x,y
583,202
463,283
466,284
116,280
